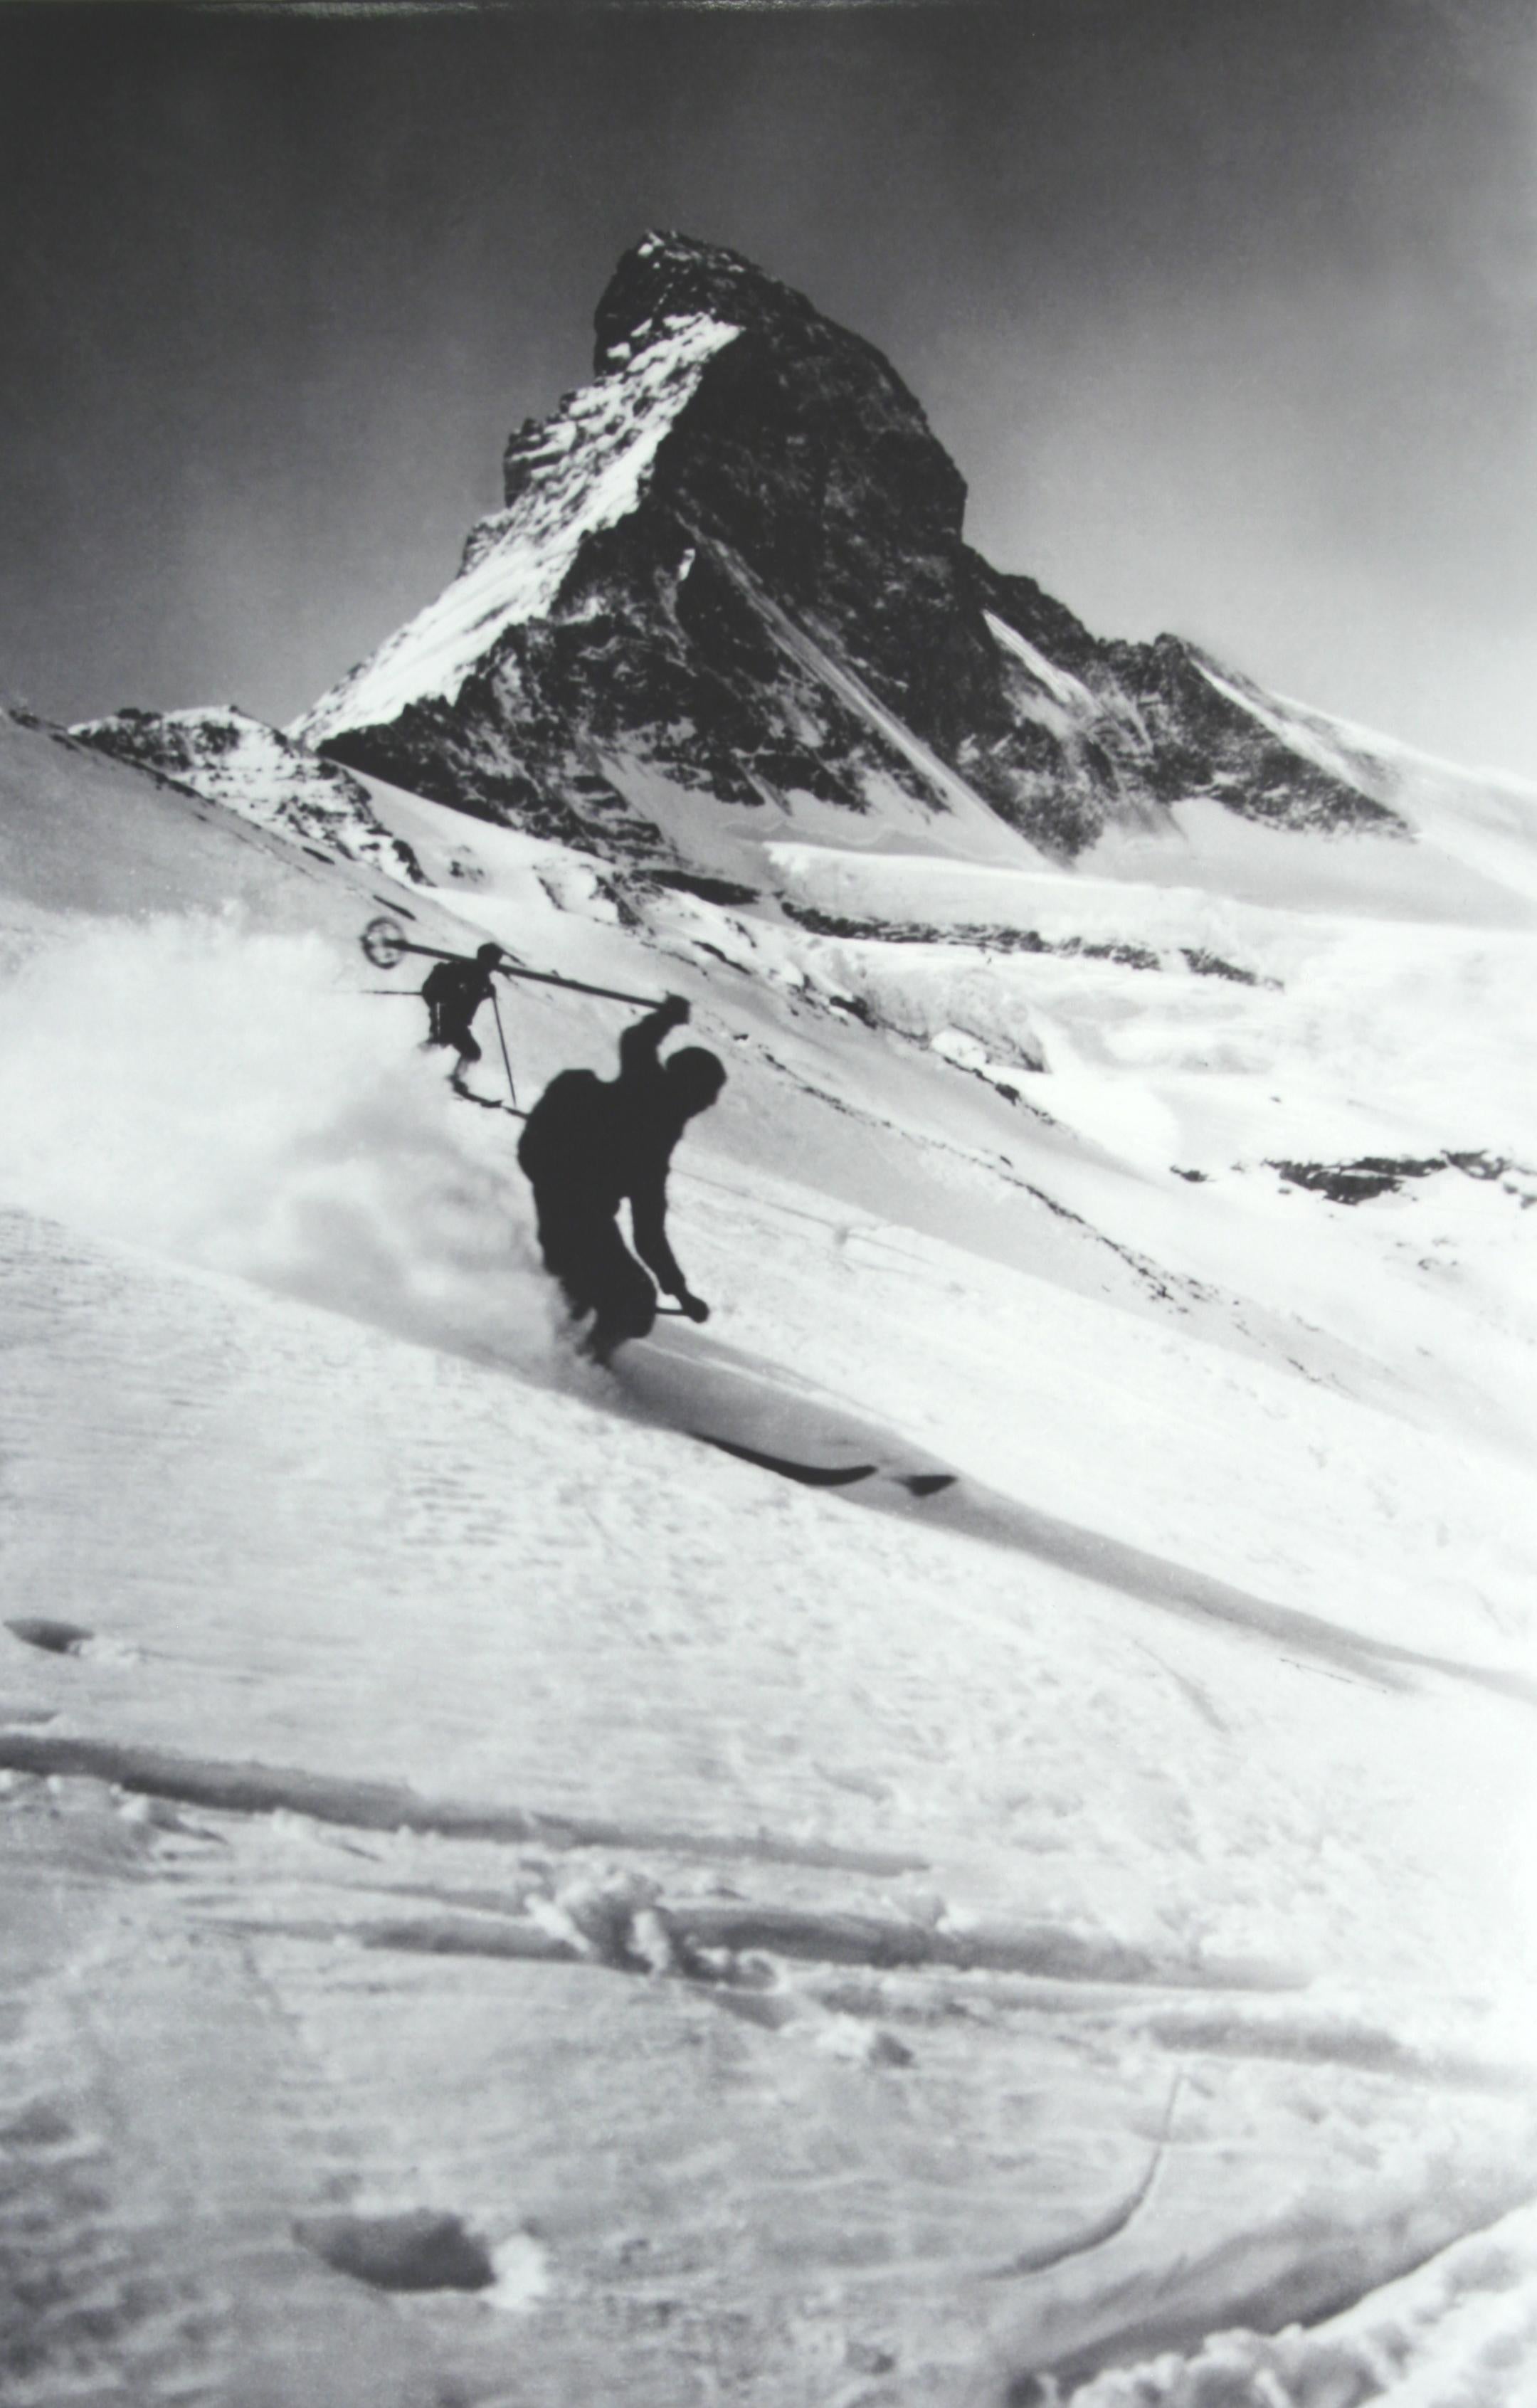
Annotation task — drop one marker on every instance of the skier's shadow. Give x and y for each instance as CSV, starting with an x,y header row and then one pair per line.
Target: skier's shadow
x,y
753,1410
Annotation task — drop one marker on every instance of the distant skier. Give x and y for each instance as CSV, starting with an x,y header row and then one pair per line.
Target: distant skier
x,y
589,1144
453,992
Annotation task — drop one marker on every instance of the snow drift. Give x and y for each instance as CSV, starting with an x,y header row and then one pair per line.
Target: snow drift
x,y
228,1097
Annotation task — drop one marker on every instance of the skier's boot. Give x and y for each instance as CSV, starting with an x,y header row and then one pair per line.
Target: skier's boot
x,y
600,1340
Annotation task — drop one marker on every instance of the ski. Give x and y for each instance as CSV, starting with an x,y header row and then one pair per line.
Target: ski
x,y
830,1475
810,1475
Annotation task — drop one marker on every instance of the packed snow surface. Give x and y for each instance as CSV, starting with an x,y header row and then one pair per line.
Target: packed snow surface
x,y
508,1901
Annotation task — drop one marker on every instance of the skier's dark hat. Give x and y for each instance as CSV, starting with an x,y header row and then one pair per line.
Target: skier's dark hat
x,y
697,1076
488,953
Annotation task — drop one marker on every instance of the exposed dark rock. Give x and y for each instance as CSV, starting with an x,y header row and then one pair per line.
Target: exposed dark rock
x,y
1018,940
1205,965
1375,1174
724,890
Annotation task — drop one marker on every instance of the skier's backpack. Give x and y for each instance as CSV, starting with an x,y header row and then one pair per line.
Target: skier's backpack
x,y
570,1133
441,993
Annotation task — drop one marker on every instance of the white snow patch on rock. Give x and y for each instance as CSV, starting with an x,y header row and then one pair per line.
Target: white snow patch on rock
x,y
1065,689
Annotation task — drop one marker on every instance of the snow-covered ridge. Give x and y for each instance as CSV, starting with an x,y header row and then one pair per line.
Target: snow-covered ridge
x,y
1483,822
584,469
1307,739
1069,693
223,753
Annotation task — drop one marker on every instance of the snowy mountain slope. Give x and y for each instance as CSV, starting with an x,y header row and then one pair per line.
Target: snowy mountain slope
x,y
735,564
79,832
83,833
231,758
813,1945
1133,1094
1484,819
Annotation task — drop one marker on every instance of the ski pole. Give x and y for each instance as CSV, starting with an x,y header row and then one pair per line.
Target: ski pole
x,y
384,941
507,1059
577,987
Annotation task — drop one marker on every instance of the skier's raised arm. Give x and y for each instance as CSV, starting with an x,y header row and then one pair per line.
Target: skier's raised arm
x,y
638,1044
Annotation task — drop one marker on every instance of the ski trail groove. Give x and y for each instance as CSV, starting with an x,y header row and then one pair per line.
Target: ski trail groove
x,y
384,1806
701,1935
740,1408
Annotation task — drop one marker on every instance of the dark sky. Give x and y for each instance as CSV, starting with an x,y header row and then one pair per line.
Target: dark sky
x,y
1226,309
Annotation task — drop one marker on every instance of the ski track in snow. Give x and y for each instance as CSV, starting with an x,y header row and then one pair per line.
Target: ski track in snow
x,y
794,1950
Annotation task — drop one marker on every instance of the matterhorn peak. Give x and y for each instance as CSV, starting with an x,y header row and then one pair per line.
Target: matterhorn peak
x,y
728,589
670,276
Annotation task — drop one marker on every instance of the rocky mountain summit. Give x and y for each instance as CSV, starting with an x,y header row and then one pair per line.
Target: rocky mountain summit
x,y
730,578
226,756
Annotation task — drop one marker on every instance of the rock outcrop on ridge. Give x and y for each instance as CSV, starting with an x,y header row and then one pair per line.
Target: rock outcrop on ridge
x,y
226,756
733,568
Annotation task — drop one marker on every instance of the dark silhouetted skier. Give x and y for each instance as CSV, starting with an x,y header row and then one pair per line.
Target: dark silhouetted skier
x,y
592,1143
453,992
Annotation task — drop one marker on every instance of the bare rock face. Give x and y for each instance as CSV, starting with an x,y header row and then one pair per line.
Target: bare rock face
x,y
733,567
224,755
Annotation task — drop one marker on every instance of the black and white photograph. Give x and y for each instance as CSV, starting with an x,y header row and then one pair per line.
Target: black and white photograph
x,y
768,1147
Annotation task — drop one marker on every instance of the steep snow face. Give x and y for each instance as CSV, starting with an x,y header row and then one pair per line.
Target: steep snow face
x,y
568,479
736,563
233,759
